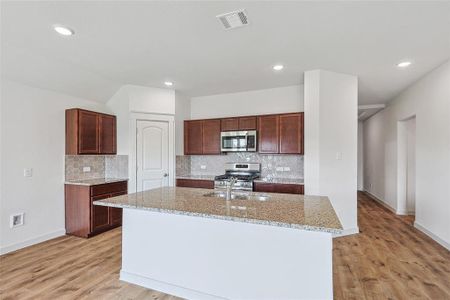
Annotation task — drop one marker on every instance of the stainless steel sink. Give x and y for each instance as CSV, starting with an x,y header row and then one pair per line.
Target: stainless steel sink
x,y
238,196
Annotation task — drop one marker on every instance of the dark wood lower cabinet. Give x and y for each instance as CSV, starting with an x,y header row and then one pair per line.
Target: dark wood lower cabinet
x,y
195,183
278,188
84,219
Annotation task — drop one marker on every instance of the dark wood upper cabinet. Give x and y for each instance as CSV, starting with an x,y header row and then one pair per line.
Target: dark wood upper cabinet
x,y
268,134
247,123
277,134
88,136
229,124
211,137
234,124
202,137
89,132
193,137
107,134
291,133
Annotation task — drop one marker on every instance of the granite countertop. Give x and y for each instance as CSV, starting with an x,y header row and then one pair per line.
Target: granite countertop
x,y
314,213
95,181
280,180
196,177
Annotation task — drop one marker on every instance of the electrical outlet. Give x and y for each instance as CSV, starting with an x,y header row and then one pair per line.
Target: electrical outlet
x,y
28,172
16,220
338,155
203,167
280,169
86,169
287,169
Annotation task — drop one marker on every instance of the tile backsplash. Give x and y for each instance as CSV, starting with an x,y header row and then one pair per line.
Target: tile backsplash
x,y
109,166
214,164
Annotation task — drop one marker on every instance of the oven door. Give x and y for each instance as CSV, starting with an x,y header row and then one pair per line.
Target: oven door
x,y
234,141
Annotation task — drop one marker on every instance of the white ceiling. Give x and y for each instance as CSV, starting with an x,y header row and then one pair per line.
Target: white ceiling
x,y
146,43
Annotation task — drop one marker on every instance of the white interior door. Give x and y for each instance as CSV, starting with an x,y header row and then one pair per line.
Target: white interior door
x,y
152,154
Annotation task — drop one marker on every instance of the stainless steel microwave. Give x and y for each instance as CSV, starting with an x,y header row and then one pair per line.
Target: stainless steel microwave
x,y
238,141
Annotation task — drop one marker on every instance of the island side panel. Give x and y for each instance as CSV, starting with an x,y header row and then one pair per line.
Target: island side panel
x,y
203,258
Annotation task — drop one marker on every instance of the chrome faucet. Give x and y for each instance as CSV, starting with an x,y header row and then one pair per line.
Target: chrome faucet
x,y
230,185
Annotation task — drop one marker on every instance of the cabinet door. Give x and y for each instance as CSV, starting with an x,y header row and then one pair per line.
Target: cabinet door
x,y
88,133
247,123
107,134
211,137
291,133
99,215
268,130
230,124
115,214
193,137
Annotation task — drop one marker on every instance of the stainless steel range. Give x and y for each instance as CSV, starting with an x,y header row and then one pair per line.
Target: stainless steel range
x,y
240,175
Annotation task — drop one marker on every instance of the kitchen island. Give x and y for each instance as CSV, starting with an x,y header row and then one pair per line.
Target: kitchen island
x,y
194,244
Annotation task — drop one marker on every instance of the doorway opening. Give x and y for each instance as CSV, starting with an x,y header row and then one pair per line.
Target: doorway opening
x,y
406,168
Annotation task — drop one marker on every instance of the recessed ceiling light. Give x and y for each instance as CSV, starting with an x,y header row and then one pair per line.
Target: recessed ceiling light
x,y
62,30
168,83
404,64
278,67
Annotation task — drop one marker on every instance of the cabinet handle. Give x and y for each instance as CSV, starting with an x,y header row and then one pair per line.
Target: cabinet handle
x,y
165,174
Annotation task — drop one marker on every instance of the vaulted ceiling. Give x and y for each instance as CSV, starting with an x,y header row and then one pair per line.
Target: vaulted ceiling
x,y
147,43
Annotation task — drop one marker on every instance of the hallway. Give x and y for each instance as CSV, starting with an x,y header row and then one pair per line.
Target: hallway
x,y
389,259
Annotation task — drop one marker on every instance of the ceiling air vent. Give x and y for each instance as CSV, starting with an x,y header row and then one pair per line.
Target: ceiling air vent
x,y
234,19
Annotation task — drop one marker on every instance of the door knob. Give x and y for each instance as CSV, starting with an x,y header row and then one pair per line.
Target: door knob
x,y
165,174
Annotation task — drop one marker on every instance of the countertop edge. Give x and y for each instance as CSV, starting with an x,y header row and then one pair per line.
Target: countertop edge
x,y
226,218
92,184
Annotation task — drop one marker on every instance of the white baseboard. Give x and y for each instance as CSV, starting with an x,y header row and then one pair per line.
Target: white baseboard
x,y
165,287
432,235
375,198
346,232
30,242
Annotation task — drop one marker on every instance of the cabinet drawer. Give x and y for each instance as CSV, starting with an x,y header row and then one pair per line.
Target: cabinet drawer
x,y
195,183
109,188
279,188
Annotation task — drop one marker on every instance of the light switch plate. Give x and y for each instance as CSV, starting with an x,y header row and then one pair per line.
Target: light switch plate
x,y
338,155
203,167
86,169
28,172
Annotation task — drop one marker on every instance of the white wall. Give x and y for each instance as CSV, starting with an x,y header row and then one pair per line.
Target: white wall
x,y
411,166
331,106
182,112
360,156
429,100
132,102
258,102
139,99
33,136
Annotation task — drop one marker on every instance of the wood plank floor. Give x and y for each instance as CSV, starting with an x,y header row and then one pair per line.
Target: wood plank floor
x,y
389,259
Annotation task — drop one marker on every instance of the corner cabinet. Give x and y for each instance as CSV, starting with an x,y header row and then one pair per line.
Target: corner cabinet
x,y
202,137
84,219
89,132
281,134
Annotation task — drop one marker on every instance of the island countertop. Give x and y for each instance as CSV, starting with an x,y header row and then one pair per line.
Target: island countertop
x,y
313,213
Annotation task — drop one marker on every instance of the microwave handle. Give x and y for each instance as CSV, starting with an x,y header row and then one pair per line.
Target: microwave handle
x,y
246,142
